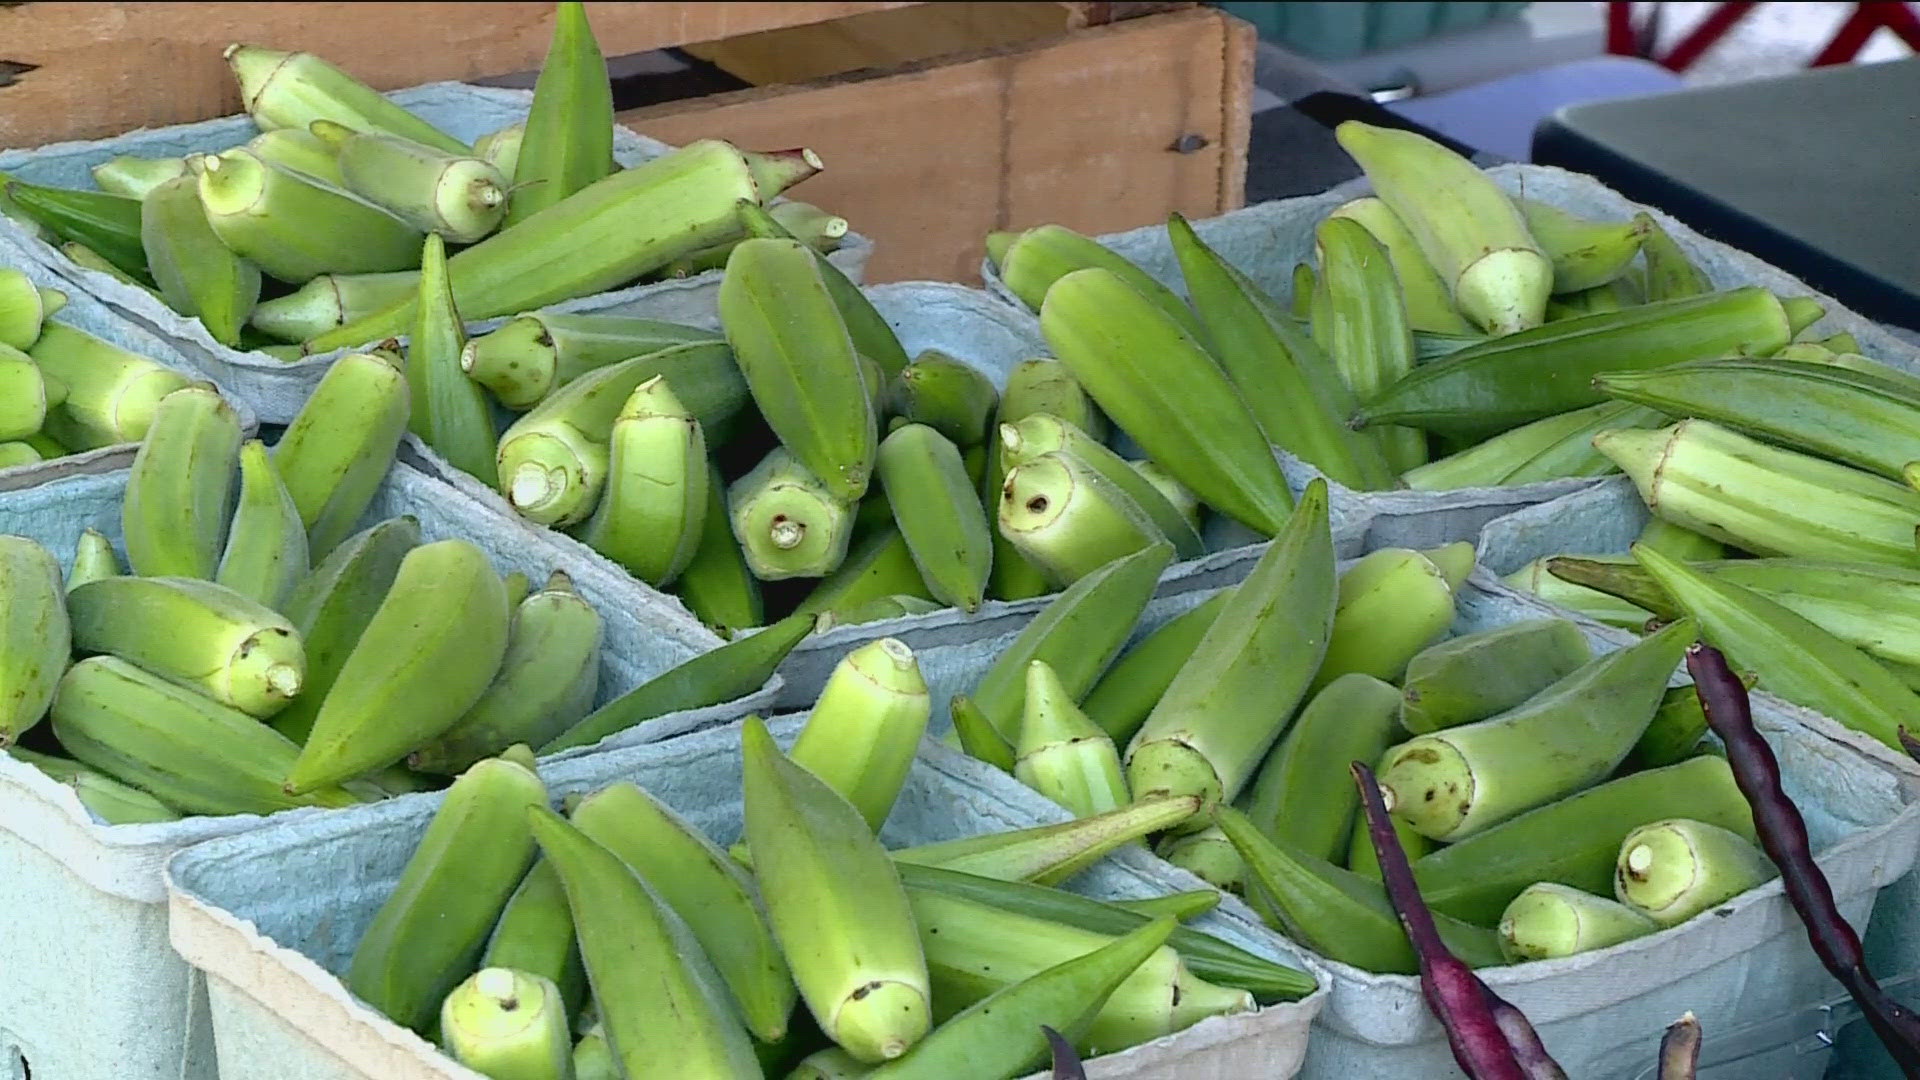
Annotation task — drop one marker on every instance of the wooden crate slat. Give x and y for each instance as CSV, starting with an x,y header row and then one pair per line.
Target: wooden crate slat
x,y
1078,128
105,68
889,38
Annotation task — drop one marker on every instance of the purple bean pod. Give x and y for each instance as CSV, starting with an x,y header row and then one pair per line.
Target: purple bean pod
x,y
1680,1049
1525,1042
1457,997
1783,835
1066,1062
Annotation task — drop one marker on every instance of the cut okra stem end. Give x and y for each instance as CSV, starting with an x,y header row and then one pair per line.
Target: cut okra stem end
x,y
498,984
532,487
1639,861
785,533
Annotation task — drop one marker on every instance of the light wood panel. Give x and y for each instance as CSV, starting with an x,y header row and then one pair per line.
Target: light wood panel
x,y
1079,128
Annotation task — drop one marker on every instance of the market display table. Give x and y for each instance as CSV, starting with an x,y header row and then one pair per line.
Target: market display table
x,y
1817,172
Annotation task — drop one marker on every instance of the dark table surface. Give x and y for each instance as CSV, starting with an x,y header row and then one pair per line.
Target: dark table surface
x,y
1816,172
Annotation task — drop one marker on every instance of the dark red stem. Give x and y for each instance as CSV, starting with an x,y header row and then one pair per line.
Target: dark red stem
x,y
1066,1062
1783,835
1456,996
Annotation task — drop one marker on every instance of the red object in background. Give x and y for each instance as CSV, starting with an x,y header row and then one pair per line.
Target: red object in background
x,y
1623,39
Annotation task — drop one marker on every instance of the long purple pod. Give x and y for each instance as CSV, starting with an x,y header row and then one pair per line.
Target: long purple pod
x,y
1525,1042
1783,835
1456,996
1680,1049
1066,1061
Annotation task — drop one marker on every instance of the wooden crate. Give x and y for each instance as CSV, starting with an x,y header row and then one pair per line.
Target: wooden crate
x,y
1098,127
86,70
938,121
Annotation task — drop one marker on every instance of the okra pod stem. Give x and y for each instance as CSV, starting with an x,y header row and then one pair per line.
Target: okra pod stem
x,y
787,522
291,90
501,148
461,198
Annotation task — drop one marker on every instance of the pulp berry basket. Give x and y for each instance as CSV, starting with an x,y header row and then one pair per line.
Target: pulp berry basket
x,y
272,918
1601,1014
1605,520
91,986
88,313
1603,1011
1266,241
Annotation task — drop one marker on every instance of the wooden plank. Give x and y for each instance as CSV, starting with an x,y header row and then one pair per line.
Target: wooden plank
x,y
1079,128
97,69
889,39
1100,13
884,39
